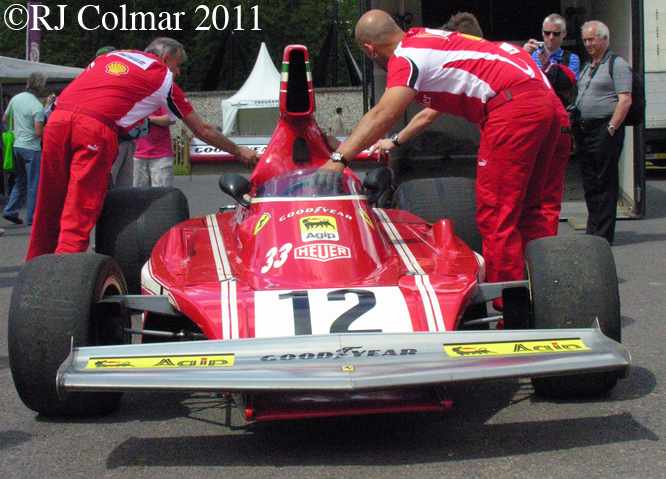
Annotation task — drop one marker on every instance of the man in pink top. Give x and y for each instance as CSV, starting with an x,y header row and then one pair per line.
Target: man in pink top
x,y
113,95
496,85
153,158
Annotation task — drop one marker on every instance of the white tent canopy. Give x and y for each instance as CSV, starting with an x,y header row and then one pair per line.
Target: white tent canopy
x,y
15,69
254,109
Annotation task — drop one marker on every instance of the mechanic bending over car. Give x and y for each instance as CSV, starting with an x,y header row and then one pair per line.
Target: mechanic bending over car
x,y
519,125
559,76
114,94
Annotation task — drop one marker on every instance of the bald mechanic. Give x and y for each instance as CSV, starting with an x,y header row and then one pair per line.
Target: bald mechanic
x,y
465,22
113,95
497,86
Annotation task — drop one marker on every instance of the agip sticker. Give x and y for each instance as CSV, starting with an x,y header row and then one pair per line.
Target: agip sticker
x,y
319,228
151,362
515,347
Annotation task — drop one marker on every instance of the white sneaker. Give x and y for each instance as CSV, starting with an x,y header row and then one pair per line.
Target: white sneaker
x,y
2,231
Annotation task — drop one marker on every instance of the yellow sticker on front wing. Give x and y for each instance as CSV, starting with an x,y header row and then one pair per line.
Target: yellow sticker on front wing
x,y
515,347
152,362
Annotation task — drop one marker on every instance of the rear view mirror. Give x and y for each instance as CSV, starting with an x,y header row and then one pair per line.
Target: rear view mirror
x,y
236,186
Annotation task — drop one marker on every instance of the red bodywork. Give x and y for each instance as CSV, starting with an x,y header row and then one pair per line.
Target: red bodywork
x,y
313,264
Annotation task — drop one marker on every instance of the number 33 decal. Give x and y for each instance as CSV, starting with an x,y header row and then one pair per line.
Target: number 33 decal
x,y
271,262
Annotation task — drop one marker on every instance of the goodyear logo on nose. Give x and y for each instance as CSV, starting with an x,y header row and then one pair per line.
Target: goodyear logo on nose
x,y
318,228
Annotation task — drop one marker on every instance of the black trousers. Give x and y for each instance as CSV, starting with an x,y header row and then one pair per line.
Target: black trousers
x,y
599,153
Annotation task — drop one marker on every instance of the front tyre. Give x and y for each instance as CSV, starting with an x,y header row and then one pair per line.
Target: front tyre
x,y
573,282
54,307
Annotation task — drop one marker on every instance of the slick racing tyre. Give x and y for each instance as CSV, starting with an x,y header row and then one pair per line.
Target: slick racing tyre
x,y
572,282
54,308
131,223
436,198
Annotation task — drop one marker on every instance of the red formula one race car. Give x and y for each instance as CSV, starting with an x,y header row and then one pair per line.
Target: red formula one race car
x,y
306,298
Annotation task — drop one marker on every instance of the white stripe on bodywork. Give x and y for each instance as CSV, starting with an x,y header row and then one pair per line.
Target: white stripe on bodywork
x,y
149,282
229,307
403,250
427,292
430,303
219,250
228,298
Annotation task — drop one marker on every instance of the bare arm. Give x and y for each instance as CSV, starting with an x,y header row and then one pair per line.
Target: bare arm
x,y
375,124
416,126
39,128
621,110
208,133
161,120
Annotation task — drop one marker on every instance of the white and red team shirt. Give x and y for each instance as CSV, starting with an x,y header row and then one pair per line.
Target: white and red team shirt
x,y
456,73
126,87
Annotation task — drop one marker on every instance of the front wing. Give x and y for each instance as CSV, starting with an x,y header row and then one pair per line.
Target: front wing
x,y
341,361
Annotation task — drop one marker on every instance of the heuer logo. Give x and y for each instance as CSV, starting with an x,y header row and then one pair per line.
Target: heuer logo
x,y
319,228
322,252
117,68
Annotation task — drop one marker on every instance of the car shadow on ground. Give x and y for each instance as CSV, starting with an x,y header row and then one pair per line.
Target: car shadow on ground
x,y
476,427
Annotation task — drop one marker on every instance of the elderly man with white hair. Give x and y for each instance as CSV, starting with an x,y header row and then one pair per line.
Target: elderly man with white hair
x,y
604,98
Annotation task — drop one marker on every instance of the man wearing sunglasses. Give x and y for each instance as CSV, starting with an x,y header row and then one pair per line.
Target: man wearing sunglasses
x,y
560,66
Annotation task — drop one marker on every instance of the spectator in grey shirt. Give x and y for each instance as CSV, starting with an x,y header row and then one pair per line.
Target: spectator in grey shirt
x,y
603,101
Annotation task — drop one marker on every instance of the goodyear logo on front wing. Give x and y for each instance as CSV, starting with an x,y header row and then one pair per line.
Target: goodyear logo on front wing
x,y
318,228
117,68
152,362
515,347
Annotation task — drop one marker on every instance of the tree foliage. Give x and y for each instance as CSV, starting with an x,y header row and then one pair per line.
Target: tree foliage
x,y
226,49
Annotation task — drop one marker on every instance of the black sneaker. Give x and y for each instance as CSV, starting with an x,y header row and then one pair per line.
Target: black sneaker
x,y
14,219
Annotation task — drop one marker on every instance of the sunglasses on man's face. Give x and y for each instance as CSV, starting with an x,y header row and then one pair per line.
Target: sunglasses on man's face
x,y
546,33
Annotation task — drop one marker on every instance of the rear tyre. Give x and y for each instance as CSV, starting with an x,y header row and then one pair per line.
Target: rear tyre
x,y
434,199
54,307
573,282
131,223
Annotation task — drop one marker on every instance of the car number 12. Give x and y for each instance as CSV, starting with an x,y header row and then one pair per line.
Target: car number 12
x,y
331,311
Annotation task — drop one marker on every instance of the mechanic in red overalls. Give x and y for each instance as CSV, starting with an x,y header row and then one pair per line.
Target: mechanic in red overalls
x,y
496,85
80,142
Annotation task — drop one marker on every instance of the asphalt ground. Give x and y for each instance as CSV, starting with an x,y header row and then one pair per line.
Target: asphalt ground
x,y
493,429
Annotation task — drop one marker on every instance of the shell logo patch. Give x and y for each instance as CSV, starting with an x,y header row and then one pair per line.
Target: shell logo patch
x,y
318,228
265,218
117,68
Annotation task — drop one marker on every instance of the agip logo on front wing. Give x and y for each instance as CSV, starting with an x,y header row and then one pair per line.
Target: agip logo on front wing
x,y
515,347
319,228
151,362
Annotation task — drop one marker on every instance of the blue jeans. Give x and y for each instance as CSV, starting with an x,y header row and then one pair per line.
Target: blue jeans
x,y
24,193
